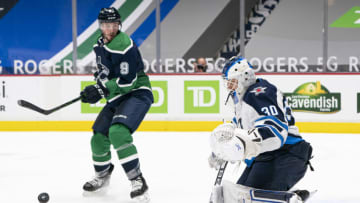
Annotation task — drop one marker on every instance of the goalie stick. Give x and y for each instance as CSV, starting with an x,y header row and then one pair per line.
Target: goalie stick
x,y
221,171
218,179
33,107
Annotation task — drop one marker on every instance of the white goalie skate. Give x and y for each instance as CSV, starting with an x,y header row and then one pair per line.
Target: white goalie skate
x,y
139,191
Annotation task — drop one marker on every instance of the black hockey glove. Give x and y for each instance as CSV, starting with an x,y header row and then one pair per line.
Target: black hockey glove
x,y
93,93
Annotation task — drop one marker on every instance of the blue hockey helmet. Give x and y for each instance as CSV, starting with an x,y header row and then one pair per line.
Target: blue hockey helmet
x,y
238,74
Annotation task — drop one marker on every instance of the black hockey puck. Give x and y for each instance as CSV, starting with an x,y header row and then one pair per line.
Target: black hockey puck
x,y
43,197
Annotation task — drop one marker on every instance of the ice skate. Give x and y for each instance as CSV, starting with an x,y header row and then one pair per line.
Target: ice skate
x,y
304,194
99,183
139,191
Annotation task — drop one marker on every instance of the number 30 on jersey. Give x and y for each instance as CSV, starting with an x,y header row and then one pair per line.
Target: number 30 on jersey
x,y
270,110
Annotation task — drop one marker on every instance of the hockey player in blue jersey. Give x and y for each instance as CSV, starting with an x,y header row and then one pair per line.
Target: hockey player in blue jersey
x,y
263,135
121,80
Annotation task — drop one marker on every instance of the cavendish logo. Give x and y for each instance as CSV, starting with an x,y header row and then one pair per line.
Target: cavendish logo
x,y
314,97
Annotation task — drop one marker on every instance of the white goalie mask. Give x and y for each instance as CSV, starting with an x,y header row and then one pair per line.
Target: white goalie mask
x,y
238,74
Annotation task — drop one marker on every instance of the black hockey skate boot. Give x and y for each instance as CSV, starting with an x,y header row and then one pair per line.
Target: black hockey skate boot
x,y
101,179
303,194
139,190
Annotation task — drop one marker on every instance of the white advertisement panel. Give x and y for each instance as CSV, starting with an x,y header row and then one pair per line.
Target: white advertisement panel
x,y
314,98
321,97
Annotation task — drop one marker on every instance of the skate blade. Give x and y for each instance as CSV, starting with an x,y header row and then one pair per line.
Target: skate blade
x,y
97,193
311,195
145,198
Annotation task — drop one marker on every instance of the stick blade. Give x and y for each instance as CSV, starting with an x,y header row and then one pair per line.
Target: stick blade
x,y
31,106
21,102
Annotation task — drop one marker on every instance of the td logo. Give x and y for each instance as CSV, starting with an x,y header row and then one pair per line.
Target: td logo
x,y
201,96
159,89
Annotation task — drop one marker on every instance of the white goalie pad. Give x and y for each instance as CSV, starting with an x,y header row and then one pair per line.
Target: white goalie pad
x,y
234,193
217,195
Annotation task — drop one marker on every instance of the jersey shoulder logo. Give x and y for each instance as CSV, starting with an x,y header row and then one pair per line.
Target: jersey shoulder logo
x,y
258,90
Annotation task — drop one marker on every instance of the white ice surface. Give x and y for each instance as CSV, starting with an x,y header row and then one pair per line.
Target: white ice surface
x,y
174,165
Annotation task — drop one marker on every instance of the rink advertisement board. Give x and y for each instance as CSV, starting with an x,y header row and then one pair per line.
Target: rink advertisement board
x,y
314,97
358,102
181,99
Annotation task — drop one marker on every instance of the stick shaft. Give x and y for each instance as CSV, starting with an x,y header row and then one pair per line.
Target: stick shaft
x,y
65,104
220,173
218,179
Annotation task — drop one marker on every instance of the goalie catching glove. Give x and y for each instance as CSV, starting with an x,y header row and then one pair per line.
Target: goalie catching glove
x,y
233,144
93,93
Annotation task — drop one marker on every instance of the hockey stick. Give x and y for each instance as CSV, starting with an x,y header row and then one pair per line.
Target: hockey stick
x,y
220,173
218,179
33,107
221,170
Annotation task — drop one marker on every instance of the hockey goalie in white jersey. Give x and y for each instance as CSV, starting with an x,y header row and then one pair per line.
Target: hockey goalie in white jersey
x,y
264,136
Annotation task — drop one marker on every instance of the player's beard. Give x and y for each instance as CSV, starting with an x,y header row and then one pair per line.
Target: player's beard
x,y
109,37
